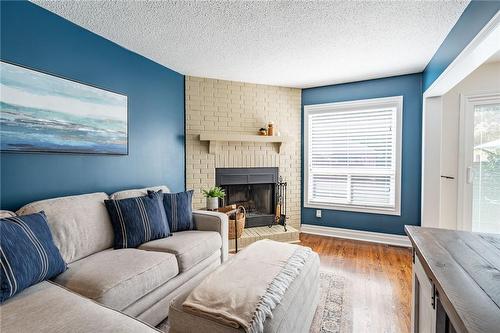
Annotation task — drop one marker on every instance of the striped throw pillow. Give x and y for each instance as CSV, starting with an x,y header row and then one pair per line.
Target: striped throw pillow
x,y
179,210
28,254
137,220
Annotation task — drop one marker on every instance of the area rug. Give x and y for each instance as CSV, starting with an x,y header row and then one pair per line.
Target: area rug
x,y
333,314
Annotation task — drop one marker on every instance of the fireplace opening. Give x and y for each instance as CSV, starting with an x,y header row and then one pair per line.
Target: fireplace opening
x,y
252,188
257,200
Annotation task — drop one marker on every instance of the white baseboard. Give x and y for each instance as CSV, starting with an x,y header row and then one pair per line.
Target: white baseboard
x,y
376,237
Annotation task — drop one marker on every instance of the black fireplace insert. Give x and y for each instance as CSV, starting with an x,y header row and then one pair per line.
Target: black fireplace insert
x,y
252,188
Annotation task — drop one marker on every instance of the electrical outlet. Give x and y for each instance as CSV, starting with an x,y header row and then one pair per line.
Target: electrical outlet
x,y
318,213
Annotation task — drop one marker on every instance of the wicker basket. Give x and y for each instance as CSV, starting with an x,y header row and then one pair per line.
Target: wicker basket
x,y
238,213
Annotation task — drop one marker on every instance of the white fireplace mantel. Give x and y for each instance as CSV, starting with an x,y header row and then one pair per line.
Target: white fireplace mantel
x,y
215,138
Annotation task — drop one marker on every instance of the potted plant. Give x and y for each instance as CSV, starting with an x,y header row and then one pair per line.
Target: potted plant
x,y
213,195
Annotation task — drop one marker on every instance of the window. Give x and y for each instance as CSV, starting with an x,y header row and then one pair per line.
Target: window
x,y
353,155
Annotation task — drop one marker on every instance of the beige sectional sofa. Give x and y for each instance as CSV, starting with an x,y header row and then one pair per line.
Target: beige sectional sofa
x,y
116,285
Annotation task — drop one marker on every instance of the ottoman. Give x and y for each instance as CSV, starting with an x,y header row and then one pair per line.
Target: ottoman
x,y
294,314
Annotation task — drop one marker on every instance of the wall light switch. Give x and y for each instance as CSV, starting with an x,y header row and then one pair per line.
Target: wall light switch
x,y
318,213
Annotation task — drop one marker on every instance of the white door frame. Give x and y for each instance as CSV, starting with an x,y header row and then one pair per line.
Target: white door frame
x,y
464,200
480,49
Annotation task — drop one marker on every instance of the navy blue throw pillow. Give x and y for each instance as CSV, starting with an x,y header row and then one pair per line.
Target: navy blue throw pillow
x,y
137,220
179,210
28,254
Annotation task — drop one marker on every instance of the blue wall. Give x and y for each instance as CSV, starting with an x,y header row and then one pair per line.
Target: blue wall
x,y
37,38
473,19
410,87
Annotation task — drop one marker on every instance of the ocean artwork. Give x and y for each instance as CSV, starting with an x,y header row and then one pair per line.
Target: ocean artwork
x,y
45,113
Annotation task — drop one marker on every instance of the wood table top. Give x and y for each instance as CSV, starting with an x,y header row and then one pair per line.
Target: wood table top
x,y
465,268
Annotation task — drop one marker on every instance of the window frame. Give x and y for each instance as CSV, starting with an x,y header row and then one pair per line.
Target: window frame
x,y
373,103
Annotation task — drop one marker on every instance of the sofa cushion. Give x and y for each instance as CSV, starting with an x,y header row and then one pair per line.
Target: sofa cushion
x,y
79,224
28,254
190,247
137,192
138,220
179,210
118,278
47,308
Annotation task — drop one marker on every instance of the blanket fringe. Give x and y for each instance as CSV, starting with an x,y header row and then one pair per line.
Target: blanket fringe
x,y
274,293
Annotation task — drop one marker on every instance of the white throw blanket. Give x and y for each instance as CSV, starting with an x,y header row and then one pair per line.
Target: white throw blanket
x,y
244,291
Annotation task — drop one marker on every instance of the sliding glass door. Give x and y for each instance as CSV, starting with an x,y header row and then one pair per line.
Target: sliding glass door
x,y
480,163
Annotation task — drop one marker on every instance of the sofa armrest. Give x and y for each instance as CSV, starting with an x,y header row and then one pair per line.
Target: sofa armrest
x,y
213,221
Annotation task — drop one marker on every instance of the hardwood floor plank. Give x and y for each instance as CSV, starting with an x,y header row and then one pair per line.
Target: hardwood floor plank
x,y
379,280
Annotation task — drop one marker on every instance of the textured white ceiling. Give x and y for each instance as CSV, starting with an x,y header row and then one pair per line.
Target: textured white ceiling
x,y
286,43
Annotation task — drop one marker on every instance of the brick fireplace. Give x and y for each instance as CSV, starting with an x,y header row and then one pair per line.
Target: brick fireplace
x,y
218,106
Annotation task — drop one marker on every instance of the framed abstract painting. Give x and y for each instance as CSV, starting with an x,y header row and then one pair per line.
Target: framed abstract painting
x,y
40,112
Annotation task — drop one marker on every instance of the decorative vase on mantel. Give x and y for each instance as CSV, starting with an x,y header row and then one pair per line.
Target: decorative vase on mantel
x,y
212,203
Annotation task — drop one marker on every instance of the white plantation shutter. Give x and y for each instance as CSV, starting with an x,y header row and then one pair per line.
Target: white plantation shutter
x,y
353,155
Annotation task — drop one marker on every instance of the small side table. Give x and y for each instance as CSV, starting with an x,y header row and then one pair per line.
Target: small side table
x,y
235,235
235,230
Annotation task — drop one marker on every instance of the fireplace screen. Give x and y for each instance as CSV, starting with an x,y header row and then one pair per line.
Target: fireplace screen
x,y
252,188
256,198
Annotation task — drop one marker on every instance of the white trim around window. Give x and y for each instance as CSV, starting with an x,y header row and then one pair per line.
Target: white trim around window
x,y
352,155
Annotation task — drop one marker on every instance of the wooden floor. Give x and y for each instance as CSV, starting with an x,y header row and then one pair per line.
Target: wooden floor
x,y
379,276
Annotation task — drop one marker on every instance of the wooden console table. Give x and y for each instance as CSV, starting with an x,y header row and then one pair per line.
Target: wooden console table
x,y
456,281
